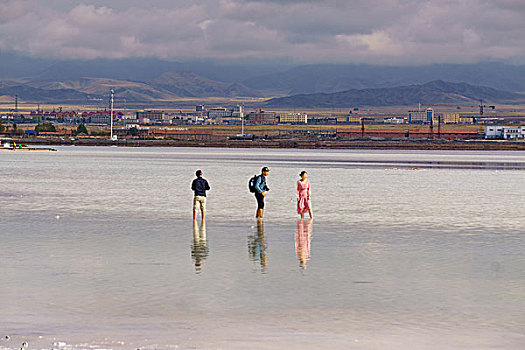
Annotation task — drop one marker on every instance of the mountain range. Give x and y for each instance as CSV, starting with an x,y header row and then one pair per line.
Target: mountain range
x,y
191,84
334,78
430,93
168,86
150,79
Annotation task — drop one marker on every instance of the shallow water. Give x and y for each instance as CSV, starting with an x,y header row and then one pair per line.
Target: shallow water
x,y
408,250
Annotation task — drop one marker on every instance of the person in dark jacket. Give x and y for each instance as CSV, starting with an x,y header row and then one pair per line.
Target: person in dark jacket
x,y
199,187
260,191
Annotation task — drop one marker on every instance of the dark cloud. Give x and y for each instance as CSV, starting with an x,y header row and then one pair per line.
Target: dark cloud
x,y
381,31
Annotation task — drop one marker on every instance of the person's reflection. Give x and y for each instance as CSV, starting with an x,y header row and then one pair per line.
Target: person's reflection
x,y
303,238
199,248
257,246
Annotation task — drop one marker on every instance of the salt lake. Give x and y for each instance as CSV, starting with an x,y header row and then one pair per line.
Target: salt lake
x,y
407,250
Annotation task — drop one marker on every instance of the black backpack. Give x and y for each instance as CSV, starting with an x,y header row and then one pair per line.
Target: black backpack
x,y
251,183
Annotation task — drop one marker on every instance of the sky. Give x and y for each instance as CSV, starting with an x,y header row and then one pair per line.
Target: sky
x,y
400,32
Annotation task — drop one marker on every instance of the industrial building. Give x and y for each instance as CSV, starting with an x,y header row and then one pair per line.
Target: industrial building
x,y
504,132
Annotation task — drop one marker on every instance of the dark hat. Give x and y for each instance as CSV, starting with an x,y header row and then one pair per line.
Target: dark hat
x,y
265,169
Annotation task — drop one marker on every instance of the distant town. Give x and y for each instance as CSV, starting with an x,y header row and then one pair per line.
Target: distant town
x,y
453,122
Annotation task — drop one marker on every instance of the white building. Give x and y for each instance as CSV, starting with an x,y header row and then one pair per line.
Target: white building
x,y
226,115
504,132
394,120
293,118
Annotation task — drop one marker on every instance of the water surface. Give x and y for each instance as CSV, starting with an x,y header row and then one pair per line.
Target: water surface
x,y
414,249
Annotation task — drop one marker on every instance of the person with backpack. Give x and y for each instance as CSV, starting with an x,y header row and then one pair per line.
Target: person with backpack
x,y
258,186
199,187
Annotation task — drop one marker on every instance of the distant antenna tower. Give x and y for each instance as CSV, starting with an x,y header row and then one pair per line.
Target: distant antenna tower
x,y
16,103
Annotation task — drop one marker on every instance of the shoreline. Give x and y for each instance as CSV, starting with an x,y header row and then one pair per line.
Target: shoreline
x,y
476,145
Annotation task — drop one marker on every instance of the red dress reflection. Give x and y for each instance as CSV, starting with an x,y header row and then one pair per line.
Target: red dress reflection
x,y
303,238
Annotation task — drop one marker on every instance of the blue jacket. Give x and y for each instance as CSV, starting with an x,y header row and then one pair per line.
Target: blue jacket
x,y
200,186
260,184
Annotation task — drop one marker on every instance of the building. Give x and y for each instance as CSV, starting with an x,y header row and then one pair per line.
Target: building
x,y
181,119
219,112
103,118
466,119
450,118
353,119
260,117
416,117
293,118
221,115
394,120
323,120
504,132
40,116
430,115
150,117
421,117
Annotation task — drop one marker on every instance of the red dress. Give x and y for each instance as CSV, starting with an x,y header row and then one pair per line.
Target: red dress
x,y
303,192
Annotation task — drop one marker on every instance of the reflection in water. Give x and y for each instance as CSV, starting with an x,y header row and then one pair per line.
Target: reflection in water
x,y
199,248
257,247
303,238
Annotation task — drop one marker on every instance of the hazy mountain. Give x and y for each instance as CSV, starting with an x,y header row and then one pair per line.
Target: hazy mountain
x,y
149,79
165,87
28,93
135,69
429,93
333,78
193,85
131,90
273,76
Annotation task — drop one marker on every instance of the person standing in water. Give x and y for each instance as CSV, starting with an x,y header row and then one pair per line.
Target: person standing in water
x,y
260,191
303,196
199,187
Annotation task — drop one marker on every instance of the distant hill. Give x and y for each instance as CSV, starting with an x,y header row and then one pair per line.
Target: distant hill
x,y
191,84
329,78
29,93
170,85
129,90
433,92
273,78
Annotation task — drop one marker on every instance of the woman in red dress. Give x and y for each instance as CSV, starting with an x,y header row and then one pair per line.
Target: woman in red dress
x,y
303,195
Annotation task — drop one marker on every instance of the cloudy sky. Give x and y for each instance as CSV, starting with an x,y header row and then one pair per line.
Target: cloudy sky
x,y
343,31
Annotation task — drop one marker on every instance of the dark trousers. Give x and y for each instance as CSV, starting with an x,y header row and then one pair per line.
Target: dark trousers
x,y
260,200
